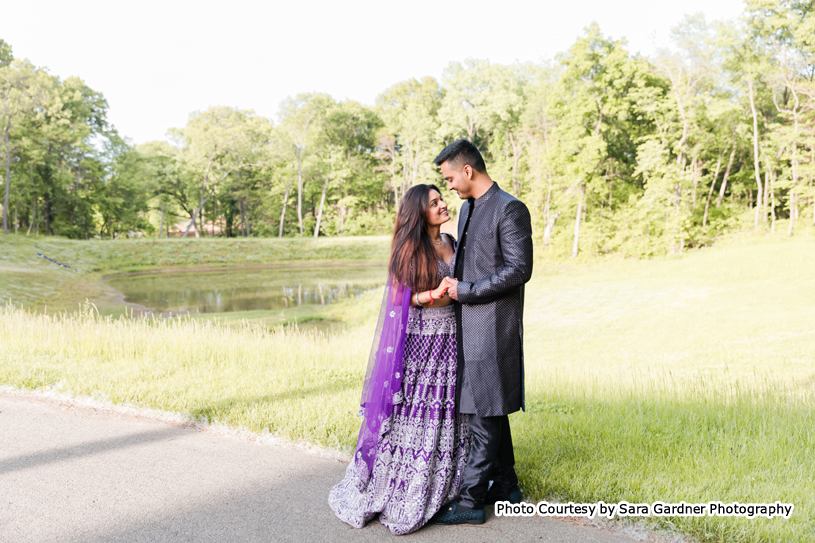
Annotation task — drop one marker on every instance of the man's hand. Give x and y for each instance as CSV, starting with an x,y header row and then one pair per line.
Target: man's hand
x,y
452,287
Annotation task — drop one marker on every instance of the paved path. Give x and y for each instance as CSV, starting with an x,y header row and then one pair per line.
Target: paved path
x,y
79,474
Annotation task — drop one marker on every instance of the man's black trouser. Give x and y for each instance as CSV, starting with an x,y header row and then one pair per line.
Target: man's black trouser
x,y
491,458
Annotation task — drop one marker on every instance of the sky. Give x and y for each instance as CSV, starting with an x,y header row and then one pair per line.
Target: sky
x,y
158,61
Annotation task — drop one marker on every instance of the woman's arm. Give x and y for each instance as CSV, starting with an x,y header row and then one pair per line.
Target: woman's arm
x,y
438,297
441,302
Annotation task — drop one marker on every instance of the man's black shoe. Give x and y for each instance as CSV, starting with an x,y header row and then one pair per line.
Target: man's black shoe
x,y
450,514
512,497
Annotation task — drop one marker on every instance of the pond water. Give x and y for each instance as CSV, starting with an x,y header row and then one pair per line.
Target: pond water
x,y
247,290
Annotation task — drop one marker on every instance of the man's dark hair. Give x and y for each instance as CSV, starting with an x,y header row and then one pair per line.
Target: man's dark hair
x,y
461,153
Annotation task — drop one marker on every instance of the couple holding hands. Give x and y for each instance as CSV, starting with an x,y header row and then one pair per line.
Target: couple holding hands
x,y
446,366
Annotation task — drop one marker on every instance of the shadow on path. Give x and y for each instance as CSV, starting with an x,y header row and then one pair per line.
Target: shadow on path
x,y
28,461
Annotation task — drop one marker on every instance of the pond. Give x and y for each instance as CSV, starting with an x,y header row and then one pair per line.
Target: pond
x,y
248,289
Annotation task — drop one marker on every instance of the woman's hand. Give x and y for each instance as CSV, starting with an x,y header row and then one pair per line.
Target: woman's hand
x,y
441,290
451,284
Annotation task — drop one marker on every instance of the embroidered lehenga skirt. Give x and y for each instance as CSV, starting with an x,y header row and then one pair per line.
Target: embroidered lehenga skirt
x,y
423,446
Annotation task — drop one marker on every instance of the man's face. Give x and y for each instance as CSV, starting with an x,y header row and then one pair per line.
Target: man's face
x,y
458,180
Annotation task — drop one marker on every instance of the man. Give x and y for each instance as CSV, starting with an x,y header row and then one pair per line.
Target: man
x,y
491,266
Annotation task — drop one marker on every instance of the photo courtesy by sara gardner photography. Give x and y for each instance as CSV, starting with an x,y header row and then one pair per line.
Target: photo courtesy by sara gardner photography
x,y
347,272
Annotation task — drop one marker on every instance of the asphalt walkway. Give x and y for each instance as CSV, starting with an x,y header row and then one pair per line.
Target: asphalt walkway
x,y
80,474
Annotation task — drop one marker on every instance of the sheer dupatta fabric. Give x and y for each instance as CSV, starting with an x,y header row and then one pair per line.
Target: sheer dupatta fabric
x,y
383,378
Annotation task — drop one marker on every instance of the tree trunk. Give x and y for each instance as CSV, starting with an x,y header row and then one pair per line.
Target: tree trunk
x,y
299,192
680,157
395,185
190,225
550,225
674,232
196,212
414,168
755,155
243,221
320,213
793,202
341,208
726,173
285,202
710,192
33,215
811,176
405,175
765,201
517,149
8,173
161,221
771,174
248,220
577,220
47,216
547,208
696,166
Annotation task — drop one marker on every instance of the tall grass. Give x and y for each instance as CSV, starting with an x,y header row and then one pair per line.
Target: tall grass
x,y
300,384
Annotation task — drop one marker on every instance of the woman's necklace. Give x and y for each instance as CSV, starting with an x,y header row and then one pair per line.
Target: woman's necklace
x,y
438,243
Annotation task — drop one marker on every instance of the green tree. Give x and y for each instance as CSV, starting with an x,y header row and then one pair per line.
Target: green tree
x,y
410,112
785,28
161,167
215,143
22,90
349,137
601,113
302,118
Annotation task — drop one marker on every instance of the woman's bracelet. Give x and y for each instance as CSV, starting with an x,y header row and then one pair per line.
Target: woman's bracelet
x,y
417,301
429,293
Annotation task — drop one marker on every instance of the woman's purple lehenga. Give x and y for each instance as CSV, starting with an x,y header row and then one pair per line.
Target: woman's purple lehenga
x,y
412,446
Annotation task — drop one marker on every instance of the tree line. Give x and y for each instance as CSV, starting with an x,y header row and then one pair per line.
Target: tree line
x,y
613,152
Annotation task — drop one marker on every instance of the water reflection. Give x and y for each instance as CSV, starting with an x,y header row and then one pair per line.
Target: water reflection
x,y
247,290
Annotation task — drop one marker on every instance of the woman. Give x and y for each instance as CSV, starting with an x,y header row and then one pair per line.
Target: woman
x,y
412,446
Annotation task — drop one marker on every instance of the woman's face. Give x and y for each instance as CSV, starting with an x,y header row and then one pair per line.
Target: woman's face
x,y
436,209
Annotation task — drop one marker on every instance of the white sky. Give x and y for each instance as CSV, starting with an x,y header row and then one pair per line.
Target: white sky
x,y
157,61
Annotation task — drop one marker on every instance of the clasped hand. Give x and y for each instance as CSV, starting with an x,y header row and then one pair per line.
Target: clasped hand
x,y
448,286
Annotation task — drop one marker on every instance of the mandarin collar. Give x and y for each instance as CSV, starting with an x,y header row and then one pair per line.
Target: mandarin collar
x,y
486,196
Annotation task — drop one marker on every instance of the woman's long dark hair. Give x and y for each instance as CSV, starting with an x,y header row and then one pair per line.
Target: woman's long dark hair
x,y
413,258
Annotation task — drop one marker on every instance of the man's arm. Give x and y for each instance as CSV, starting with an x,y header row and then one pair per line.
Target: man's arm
x,y
515,231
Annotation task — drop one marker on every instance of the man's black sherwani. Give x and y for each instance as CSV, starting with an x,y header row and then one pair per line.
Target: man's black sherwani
x,y
497,262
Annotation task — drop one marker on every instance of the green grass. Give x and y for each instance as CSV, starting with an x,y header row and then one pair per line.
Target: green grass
x,y
686,378
297,383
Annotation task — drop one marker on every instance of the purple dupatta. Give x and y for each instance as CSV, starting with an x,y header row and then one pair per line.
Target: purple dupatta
x,y
383,378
